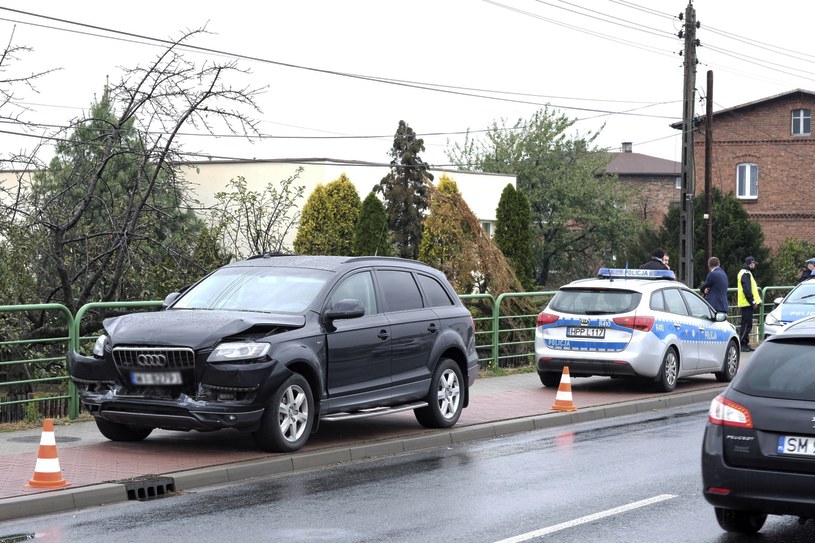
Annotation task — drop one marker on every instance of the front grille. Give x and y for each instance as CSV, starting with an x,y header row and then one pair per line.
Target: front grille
x,y
154,358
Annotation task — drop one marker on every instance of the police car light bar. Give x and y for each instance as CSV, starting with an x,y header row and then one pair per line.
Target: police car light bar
x,y
625,273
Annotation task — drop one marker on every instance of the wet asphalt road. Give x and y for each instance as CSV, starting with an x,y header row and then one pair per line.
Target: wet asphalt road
x,y
633,479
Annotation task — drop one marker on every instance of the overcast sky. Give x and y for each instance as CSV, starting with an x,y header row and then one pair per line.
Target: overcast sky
x,y
611,64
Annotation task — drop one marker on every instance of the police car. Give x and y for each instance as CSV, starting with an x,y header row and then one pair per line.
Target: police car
x,y
634,323
797,304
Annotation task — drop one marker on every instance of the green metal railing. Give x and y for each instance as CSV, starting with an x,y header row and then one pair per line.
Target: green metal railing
x,y
504,337
518,341
31,364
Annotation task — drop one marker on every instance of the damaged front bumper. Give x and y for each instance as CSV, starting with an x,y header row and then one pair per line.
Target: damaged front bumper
x,y
217,397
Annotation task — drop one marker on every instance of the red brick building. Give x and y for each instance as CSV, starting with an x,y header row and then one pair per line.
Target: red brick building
x,y
656,182
764,152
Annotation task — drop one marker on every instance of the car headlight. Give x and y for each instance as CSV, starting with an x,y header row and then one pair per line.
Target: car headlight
x,y
238,351
99,346
772,319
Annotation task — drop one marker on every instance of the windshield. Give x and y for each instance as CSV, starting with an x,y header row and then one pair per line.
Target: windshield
x,y
805,294
287,290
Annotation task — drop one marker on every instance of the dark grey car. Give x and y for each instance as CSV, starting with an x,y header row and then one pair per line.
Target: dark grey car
x,y
758,454
274,344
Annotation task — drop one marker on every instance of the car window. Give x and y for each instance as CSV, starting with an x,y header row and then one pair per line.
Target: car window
x,y
786,369
287,290
657,301
359,286
805,294
399,290
698,307
673,302
595,301
435,293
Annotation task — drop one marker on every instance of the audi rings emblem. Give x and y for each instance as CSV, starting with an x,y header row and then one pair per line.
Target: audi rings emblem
x,y
151,360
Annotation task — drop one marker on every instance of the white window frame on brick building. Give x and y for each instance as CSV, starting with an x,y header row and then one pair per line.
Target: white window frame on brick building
x,y
747,181
801,122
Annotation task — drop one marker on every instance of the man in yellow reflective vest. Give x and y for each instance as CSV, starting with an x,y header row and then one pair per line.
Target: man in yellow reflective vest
x,y
749,299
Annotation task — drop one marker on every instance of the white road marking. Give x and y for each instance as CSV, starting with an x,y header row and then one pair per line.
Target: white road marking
x,y
588,518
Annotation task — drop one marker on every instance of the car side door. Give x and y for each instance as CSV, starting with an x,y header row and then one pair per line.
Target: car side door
x,y
684,326
710,341
358,350
415,329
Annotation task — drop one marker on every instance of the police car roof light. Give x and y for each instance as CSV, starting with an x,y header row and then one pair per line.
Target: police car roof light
x,y
636,273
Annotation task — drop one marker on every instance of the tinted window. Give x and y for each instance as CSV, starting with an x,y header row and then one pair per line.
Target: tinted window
x,y
657,301
435,293
400,290
360,287
674,302
783,369
256,289
595,301
698,307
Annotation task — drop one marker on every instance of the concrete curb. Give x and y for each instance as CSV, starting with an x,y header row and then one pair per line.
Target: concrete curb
x,y
68,499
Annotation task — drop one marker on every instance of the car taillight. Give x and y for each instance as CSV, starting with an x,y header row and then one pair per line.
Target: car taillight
x,y
643,324
546,318
726,412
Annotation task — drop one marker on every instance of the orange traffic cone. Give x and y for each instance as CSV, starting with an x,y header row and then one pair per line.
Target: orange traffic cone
x,y
46,472
563,399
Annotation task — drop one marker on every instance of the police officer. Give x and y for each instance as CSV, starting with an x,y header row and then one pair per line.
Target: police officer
x,y
749,298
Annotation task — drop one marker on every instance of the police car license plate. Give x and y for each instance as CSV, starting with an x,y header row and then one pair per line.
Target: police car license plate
x,y
157,378
582,331
796,445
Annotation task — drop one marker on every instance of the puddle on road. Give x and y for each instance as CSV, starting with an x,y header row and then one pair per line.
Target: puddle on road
x,y
14,538
36,439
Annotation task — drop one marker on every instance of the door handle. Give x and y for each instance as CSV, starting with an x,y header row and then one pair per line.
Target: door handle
x,y
432,328
383,335
677,325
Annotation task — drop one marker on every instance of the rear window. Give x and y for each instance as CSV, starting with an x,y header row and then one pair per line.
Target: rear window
x,y
595,301
782,369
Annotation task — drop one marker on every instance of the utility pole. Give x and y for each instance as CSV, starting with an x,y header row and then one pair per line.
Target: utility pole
x,y
708,167
688,164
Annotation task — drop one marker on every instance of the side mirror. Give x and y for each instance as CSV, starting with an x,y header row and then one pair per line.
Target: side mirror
x,y
168,301
345,309
778,300
721,316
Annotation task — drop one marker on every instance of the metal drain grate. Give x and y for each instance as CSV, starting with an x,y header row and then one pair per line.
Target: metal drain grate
x,y
149,489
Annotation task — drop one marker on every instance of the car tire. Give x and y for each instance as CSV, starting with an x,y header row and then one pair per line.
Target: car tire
x,y
289,417
730,364
445,399
742,522
115,431
668,371
550,379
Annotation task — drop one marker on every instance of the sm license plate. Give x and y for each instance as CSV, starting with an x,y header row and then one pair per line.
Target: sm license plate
x,y
156,378
796,445
584,331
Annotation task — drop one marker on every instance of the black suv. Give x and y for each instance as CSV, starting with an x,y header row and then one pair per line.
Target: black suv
x,y
274,344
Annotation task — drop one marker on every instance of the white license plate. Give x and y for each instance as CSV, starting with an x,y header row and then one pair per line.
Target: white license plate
x,y
796,445
158,378
582,331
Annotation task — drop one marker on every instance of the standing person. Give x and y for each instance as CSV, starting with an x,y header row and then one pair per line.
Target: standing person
x,y
714,289
655,263
748,300
809,270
